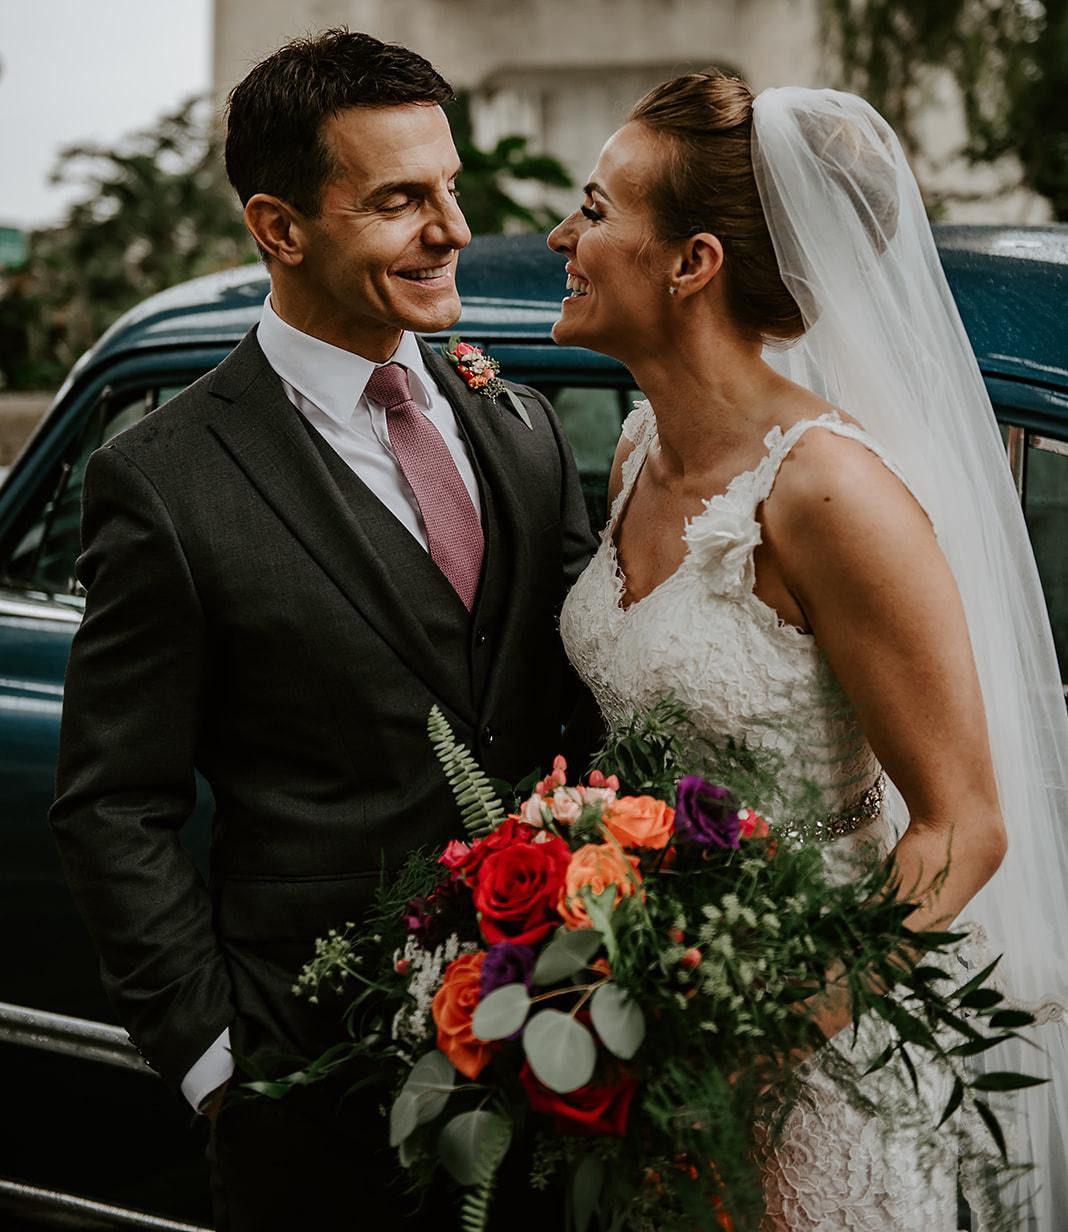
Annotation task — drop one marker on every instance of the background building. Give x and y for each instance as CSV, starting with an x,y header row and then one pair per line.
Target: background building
x,y
564,73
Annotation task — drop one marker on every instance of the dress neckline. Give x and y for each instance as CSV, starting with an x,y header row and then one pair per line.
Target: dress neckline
x,y
774,440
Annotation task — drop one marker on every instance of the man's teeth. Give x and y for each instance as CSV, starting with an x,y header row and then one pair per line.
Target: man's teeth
x,y
419,275
577,285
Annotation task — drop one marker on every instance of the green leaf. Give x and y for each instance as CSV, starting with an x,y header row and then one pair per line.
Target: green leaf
x,y
561,1052
567,953
480,806
980,999
1008,1019
974,1047
955,1098
586,1191
881,1060
431,1082
472,1143
618,1019
977,980
273,1090
403,1117
1001,1080
599,907
991,1122
502,1012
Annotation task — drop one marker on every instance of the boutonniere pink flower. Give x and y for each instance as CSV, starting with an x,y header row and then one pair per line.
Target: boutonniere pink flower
x,y
481,374
479,371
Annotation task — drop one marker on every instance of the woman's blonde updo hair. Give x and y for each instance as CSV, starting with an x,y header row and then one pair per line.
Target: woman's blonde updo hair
x,y
707,184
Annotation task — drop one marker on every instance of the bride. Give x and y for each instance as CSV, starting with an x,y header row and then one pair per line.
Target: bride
x,y
815,546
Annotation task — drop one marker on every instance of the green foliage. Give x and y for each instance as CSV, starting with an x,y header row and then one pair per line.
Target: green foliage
x,y
485,199
1009,58
480,806
645,752
157,210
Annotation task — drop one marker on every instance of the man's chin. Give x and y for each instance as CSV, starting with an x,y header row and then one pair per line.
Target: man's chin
x,y
431,318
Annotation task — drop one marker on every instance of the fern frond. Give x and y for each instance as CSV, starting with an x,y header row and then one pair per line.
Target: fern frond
x,y
474,1211
480,806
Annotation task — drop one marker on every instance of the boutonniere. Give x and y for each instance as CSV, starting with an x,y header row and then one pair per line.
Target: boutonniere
x,y
481,374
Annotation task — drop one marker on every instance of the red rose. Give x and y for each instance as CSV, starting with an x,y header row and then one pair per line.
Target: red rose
x,y
597,1109
509,832
517,889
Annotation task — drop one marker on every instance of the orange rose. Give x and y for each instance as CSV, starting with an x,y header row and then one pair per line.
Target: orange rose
x,y
453,1008
640,821
597,865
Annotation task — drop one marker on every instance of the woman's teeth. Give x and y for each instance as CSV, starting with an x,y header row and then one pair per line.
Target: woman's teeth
x,y
577,286
421,274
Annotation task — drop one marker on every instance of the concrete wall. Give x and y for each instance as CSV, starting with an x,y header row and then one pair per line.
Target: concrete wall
x,y
563,72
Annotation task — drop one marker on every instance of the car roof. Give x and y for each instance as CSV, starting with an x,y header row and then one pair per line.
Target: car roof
x,y
1010,284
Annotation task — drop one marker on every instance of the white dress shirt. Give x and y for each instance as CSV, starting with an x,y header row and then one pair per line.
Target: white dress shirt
x,y
326,384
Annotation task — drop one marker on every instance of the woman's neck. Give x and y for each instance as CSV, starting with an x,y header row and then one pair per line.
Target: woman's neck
x,y
712,396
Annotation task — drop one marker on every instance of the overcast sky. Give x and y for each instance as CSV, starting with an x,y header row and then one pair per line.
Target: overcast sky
x,y
87,70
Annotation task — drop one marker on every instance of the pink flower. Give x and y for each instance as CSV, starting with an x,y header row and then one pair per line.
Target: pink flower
x,y
566,804
454,854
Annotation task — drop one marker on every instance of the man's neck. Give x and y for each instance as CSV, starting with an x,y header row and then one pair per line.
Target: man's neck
x,y
370,340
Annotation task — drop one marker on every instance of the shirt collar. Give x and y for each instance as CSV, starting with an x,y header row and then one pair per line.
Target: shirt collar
x,y
332,378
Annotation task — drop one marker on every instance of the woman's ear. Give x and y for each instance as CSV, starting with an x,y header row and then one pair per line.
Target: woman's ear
x,y
699,260
276,227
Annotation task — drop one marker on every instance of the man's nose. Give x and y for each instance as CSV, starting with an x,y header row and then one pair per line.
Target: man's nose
x,y
448,228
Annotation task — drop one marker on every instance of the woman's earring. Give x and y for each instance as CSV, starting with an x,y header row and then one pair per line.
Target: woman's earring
x,y
673,289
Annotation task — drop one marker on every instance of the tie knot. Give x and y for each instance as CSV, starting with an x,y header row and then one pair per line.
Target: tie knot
x,y
388,386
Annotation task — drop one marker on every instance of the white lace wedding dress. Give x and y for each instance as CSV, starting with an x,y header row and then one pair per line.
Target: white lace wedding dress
x,y
705,638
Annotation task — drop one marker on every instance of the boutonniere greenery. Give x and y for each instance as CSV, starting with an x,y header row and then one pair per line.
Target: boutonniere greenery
x,y
481,374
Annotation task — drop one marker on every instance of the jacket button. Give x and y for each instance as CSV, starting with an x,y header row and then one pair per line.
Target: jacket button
x,y
480,638
488,736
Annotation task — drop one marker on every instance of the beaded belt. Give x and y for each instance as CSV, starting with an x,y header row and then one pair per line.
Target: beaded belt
x,y
860,813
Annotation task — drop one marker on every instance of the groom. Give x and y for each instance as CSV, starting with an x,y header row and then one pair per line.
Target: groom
x,y
286,567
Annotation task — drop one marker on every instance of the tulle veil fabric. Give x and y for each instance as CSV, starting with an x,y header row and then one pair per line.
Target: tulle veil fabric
x,y
884,342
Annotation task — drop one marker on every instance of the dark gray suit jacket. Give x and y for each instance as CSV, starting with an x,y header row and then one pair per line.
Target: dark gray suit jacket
x,y
248,618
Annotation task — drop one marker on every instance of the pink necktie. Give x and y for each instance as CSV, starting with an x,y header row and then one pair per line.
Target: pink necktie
x,y
453,529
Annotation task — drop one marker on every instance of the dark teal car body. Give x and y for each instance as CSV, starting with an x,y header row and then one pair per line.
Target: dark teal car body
x,y
1011,286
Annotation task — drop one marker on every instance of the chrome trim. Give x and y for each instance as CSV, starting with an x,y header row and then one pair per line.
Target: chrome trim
x,y
24,609
1049,445
51,1208
1017,448
71,1037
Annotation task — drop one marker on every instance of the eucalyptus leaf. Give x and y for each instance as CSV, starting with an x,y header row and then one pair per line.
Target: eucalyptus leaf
x,y
502,1012
586,1191
981,999
618,1019
471,1142
430,1082
402,1117
1011,1018
561,1052
567,953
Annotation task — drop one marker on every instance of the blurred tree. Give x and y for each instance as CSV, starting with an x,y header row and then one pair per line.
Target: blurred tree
x,y
158,210
1008,57
485,199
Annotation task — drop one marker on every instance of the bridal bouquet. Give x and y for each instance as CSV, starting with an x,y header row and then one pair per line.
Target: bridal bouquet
x,y
616,983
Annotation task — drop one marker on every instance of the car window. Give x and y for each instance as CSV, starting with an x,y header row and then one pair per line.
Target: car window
x,y
45,551
592,417
1046,510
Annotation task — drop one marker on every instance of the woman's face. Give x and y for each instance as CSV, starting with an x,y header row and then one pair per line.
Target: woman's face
x,y
618,273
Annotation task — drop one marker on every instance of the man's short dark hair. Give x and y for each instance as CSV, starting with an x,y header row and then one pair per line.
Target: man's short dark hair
x,y
274,117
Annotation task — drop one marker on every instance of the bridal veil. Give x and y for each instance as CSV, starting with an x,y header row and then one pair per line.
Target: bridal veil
x,y
884,342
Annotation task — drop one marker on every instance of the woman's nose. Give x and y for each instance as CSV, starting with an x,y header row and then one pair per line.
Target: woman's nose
x,y
560,237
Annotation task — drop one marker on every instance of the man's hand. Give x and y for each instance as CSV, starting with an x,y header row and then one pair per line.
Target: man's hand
x,y
210,1104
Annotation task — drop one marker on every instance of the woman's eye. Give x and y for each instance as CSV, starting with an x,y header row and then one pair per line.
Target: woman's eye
x,y
590,213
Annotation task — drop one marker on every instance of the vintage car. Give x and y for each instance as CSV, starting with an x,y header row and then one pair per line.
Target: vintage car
x,y
92,1136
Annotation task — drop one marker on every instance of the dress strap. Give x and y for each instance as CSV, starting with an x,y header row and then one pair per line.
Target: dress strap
x,y
639,428
780,443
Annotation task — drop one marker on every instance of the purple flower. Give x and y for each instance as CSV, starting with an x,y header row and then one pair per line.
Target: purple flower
x,y
506,963
705,814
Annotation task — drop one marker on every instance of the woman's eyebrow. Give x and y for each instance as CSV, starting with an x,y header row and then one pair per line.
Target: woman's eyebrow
x,y
593,187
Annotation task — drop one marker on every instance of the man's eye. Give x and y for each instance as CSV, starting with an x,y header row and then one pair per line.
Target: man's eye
x,y
592,214
397,208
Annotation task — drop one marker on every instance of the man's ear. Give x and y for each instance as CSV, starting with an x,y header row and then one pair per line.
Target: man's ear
x,y
699,260
276,227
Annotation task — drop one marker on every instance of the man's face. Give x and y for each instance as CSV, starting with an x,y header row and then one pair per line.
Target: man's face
x,y
381,255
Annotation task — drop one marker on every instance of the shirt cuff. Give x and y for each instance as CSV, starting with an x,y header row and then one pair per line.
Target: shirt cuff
x,y
215,1066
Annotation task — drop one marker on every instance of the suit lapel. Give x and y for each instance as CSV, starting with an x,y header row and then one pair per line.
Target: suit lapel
x,y
261,432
